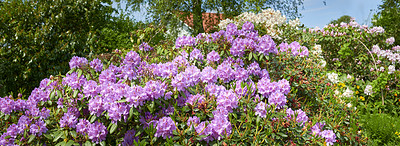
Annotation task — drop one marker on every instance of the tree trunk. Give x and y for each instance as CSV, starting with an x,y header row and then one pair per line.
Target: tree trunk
x,y
197,17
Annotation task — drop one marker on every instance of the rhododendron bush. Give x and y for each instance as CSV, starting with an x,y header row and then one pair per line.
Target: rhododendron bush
x,y
259,80
229,87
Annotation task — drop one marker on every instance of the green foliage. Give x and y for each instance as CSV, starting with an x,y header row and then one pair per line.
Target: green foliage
x,y
388,15
39,37
344,18
383,129
172,12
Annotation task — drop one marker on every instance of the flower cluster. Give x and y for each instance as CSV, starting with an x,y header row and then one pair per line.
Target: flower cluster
x,y
145,47
77,62
165,126
268,18
329,135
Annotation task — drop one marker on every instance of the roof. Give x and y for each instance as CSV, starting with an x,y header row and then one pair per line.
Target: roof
x,y
209,20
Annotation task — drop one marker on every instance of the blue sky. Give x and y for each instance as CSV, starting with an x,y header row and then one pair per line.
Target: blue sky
x,y
315,13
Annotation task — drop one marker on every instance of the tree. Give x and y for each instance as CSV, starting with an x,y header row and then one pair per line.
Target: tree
x,y
344,18
167,12
39,37
389,18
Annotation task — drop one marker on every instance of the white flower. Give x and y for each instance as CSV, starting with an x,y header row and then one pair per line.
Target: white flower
x,y
391,69
322,63
368,90
390,40
333,77
317,50
349,105
337,92
348,93
349,77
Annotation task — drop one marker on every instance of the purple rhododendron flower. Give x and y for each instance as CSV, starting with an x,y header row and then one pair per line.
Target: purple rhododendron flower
x,y
208,75
96,65
165,127
96,106
196,55
225,72
277,99
145,47
129,138
317,128
266,45
329,136
284,47
90,88
213,56
82,126
227,100
248,26
73,80
77,62
261,109
68,120
185,41
193,121
97,132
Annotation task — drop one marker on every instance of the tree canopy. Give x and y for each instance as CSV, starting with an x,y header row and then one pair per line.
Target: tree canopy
x,y
344,18
389,18
39,37
166,11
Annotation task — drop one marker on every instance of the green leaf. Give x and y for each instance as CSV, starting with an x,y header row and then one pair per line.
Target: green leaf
x,y
113,127
88,143
31,138
63,143
79,73
70,143
75,93
281,134
73,133
250,56
121,101
58,136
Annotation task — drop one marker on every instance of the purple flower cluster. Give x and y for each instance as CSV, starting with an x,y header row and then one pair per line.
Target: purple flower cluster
x,y
274,91
7,105
239,46
77,62
68,120
261,109
193,99
193,121
295,48
301,115
209,75
165,127
266,45
185,41
130,137
96,65
73,80
165,70
213,57
227,100
218,127
225,72
132,58
97,132
329,136
191,76
196,55
145,47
